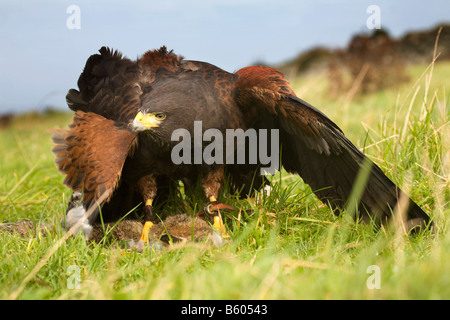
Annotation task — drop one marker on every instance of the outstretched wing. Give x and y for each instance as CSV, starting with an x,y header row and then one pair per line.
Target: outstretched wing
x,y
91,153
315,148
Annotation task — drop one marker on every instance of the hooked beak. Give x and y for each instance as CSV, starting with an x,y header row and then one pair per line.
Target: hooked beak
x,y
144,121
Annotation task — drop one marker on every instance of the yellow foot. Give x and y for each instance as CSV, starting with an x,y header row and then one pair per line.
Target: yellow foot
x,y
218,224
145,231
213,209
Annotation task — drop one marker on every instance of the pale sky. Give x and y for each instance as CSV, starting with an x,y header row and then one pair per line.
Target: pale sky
x,y
41,58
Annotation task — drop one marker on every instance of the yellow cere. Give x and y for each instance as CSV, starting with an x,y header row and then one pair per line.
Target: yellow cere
x,y
149,120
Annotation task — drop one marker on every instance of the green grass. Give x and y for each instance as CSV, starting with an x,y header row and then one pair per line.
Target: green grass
x,y
289,246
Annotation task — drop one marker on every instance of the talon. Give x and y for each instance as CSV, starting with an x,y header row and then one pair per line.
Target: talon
x,y
212,209
208,208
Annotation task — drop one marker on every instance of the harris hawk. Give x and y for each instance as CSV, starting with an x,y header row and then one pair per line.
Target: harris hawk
x,y
118,150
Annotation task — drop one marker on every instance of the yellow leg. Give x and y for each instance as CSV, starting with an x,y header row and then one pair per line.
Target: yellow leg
x,y
218,222
145,231
148,224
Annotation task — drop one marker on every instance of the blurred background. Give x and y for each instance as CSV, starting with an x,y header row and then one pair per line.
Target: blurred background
x,y
44,44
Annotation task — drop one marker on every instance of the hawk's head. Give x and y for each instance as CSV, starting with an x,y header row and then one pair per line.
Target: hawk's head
x,y
173,104
146,121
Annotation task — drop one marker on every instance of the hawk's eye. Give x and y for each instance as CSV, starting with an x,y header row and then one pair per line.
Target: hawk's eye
x,y
160,116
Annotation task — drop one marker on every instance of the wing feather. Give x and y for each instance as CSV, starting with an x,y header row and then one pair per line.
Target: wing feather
x,y
314,147
110,85
91,153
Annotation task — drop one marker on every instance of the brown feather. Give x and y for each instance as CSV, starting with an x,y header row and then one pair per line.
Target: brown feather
x,y
91,153
110,85
161,58
315,147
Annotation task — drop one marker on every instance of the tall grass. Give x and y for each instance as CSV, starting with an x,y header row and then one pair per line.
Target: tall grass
x,y
286,245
